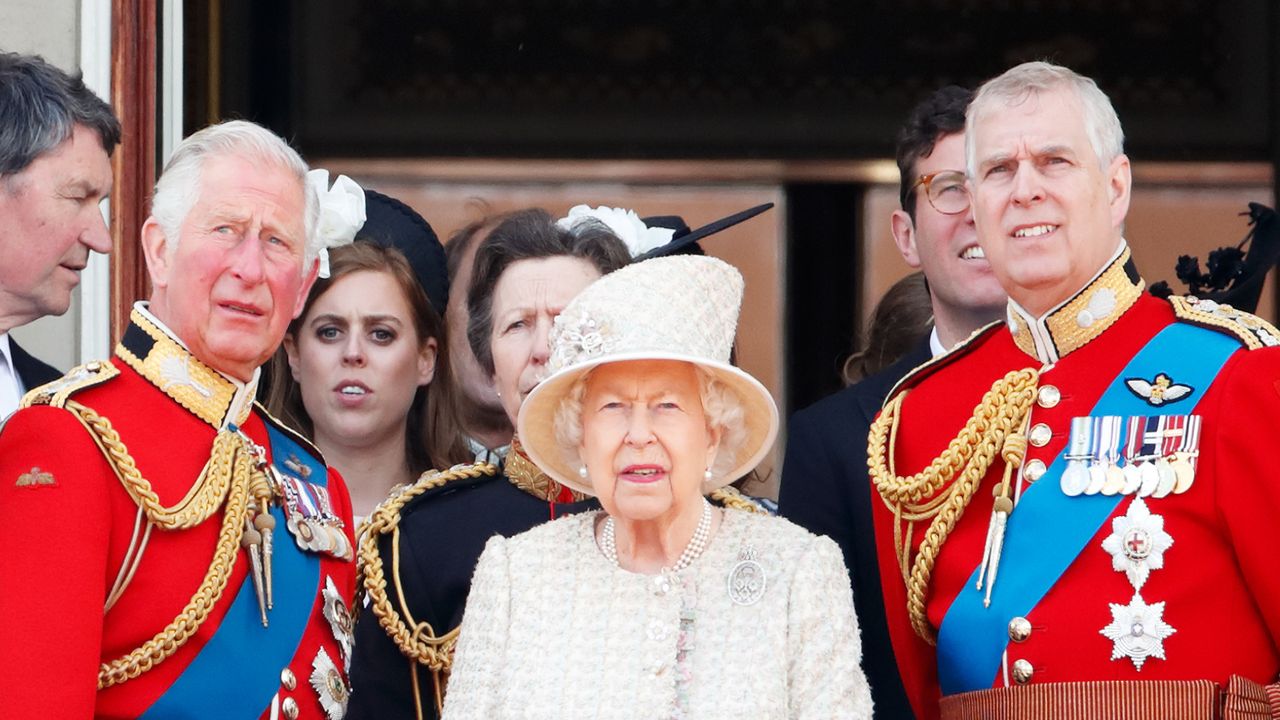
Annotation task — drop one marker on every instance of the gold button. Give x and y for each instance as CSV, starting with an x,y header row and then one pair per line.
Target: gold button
x,y
287,679
1034,470
1048,396
1022,671
1019,629
290,707
1040,435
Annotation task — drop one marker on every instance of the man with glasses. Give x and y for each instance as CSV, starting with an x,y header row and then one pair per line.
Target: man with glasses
x,y
824,478
1075,510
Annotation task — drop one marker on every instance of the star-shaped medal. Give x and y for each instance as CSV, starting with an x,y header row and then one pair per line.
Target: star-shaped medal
x,y
1137,543
329,686
1138,631
340,621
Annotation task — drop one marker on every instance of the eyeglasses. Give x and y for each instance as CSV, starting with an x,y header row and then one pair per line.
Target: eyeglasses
x,y
946,191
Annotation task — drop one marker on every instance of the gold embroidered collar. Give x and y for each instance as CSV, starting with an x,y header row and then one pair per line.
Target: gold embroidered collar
x,y
1082,317
522,473
149,348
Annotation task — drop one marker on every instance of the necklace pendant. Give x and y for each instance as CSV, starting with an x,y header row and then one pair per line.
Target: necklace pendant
x,y
662,583
747,580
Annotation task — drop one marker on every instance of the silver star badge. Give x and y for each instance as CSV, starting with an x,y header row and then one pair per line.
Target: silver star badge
x,y
329,686
1138,631
1137,543
340,621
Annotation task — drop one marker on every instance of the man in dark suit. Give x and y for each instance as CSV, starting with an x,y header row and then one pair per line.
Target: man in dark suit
x,y
56,139
824,477
31,370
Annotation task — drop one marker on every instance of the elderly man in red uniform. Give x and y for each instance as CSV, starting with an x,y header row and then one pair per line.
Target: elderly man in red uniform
x,y
1076,507
171,551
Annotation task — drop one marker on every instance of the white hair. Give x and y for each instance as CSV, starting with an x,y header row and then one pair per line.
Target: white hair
x,y
178,186
722,407
1028,80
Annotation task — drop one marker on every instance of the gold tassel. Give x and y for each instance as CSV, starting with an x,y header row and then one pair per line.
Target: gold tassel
x,y
1013,451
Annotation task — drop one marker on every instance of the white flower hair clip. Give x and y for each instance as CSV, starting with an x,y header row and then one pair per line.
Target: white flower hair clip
x,y
341,212
638,237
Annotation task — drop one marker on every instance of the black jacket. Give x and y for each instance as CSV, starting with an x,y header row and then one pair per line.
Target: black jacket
x,y
31,370
825,489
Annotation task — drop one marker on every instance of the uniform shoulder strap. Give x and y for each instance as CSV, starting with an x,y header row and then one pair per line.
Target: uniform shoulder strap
x,y
1252,331
732,498
80,377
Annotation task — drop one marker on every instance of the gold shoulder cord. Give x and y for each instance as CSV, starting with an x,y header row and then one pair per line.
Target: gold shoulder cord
x,y
942,491
416,640
229,475
729,497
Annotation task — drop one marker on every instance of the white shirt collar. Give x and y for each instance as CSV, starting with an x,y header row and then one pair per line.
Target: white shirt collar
x,y
11,387
935,343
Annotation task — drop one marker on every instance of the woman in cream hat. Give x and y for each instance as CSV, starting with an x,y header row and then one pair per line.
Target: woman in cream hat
x,y
661,605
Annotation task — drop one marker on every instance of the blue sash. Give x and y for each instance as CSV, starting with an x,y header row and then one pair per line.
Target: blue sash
x,y
237,672
1048,530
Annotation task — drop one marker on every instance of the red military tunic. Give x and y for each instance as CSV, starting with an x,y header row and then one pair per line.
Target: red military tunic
x,y
1218,583
68,524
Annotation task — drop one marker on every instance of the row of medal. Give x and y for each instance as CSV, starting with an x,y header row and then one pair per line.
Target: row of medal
x,y
309,516
1138,455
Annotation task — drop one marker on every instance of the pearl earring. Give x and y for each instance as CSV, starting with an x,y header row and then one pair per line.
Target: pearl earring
x,y
706,475
582,471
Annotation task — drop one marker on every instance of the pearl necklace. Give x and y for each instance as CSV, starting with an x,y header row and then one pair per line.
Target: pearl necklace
x,y
698,543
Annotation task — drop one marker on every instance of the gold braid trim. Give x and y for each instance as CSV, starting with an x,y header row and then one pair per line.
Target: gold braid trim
x,y
729,497
202,500
231,467
995,427
524,474
1250,329
416,640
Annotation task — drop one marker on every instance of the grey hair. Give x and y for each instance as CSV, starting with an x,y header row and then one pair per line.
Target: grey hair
x,y
723,408
40,107
1022,82
178,186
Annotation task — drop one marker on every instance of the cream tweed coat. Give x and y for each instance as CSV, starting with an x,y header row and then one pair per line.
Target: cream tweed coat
x,y
553,630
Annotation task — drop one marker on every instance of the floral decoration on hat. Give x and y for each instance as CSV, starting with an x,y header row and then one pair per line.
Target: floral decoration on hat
x,y
580,338
341,212
638,237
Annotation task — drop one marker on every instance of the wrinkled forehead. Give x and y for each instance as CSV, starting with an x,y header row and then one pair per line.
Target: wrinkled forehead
x,y
542,284
643,378
248,187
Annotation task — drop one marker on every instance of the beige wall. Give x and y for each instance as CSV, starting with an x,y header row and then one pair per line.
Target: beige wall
x,y
49,28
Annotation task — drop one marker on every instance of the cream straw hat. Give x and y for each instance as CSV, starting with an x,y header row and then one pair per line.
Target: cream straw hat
x,y
668,308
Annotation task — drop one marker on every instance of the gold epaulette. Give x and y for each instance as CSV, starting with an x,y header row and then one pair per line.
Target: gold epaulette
x,y
730,497
1250,329
932,365
80,377
417,640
